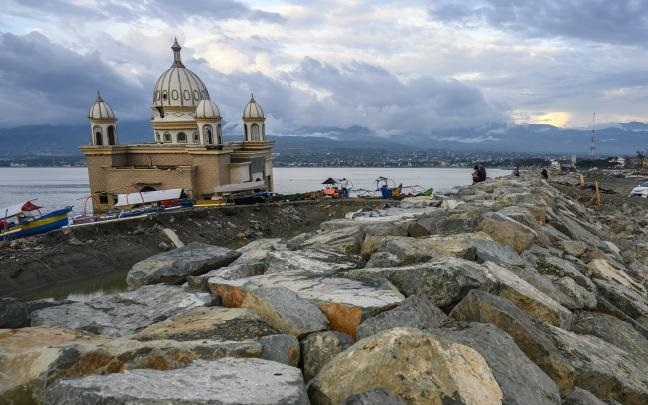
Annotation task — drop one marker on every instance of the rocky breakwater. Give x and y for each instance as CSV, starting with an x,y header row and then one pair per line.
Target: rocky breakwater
x,y
503,292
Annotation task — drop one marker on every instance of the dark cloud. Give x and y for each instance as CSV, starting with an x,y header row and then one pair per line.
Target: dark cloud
x,y
604,21
46,83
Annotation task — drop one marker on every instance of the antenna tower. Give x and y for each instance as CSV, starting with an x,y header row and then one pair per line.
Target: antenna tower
x,y
593,143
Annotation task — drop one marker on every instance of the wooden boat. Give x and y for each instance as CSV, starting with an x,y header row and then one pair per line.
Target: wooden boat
x,y
24,219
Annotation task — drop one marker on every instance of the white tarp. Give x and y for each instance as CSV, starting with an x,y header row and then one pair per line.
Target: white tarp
x,y
147,197
231,188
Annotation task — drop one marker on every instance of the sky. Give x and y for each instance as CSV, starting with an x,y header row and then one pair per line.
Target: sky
x,y
396,67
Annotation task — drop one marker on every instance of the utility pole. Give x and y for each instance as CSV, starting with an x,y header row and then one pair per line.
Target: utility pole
x,y
593,143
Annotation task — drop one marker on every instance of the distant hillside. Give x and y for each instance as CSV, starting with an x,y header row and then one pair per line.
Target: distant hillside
x,y
623,139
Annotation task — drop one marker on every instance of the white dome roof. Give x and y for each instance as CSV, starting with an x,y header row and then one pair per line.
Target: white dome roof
x,y
178,86
207,109
253,110
100,110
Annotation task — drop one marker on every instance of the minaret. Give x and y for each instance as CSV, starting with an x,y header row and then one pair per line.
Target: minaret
x,y
103,123
253,122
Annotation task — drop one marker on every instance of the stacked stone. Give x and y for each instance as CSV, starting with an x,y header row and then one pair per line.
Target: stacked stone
x,y
502,292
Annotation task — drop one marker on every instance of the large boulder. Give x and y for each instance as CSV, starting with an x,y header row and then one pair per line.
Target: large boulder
x,y
174,266
444,282
344,302
345,240
418,367
229,381
579,396
285,311
528,298
309,261
231,272
32,358
508,231
217,323
614,331
125,313
480,306
281,348
521,381
603,369
417,250
414,312
319,348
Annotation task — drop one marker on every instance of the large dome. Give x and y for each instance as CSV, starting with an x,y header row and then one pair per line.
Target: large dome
x,y
178,86
100,110
207,109
253,110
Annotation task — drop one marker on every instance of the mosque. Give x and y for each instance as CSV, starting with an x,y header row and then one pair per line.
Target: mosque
x,y
187,150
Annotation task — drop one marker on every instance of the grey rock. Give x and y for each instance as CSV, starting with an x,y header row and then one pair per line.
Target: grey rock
x,y
480,306
521,214
231,272
281,348
124,313
374,396
284,310
309,261
414,312
218,323
256,251
508,231
521,381
603,369
574,247
579,396
229,381
13,313
444,282
174,266
614,331
318,348
418,250
489,250
344,240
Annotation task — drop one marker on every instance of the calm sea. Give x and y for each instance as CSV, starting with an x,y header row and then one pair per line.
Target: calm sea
x,y
56,187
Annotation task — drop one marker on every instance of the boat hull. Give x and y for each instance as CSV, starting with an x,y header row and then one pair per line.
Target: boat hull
x,y
44,223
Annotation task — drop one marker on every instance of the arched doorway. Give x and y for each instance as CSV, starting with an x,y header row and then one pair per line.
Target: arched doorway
x,y
98,138
255,132
209,138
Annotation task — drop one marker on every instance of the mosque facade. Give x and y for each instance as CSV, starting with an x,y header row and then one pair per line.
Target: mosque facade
x,y
187,149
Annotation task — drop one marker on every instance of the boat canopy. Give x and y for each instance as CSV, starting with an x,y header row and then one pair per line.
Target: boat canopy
x,y
16,209
232,188
147,197
332,181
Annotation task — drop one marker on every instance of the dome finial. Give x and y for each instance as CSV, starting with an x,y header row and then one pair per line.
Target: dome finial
x,y
177,62
99,96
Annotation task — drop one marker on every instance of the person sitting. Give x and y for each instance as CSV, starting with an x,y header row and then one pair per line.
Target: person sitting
x,y
481,171
475,174
516,172
544,174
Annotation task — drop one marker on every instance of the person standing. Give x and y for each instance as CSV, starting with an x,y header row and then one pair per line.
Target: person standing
x,y
344,185
544,174
481,171
516,172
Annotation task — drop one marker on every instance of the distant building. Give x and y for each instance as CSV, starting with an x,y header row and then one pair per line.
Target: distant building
x,y
187,150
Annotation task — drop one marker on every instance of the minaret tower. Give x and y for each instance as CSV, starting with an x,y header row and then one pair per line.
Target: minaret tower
x,y
103,124
253,122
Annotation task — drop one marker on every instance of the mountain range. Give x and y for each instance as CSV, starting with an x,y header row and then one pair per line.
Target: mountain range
x,y
614,139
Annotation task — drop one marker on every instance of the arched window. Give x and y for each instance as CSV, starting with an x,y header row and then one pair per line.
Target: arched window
x,y
167,137
246,131
219,134
196,139
111,135
256,136
182,137
207,133
98,138
157,136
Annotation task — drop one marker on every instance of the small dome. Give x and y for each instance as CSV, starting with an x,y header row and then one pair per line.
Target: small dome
x,y
207,109
100,110
253,110
178,86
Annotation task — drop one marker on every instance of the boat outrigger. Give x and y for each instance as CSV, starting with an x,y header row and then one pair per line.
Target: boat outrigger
x,y
24,219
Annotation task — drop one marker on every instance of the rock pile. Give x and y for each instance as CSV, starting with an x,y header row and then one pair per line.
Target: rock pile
x,y
503,292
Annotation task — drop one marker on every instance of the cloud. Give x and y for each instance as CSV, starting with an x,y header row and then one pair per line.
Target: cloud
x,y
46,83
618,22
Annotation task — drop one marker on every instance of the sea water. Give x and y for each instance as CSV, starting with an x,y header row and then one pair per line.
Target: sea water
x,y
57,187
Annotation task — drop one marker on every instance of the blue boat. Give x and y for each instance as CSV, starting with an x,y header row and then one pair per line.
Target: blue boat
x,y
24,219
